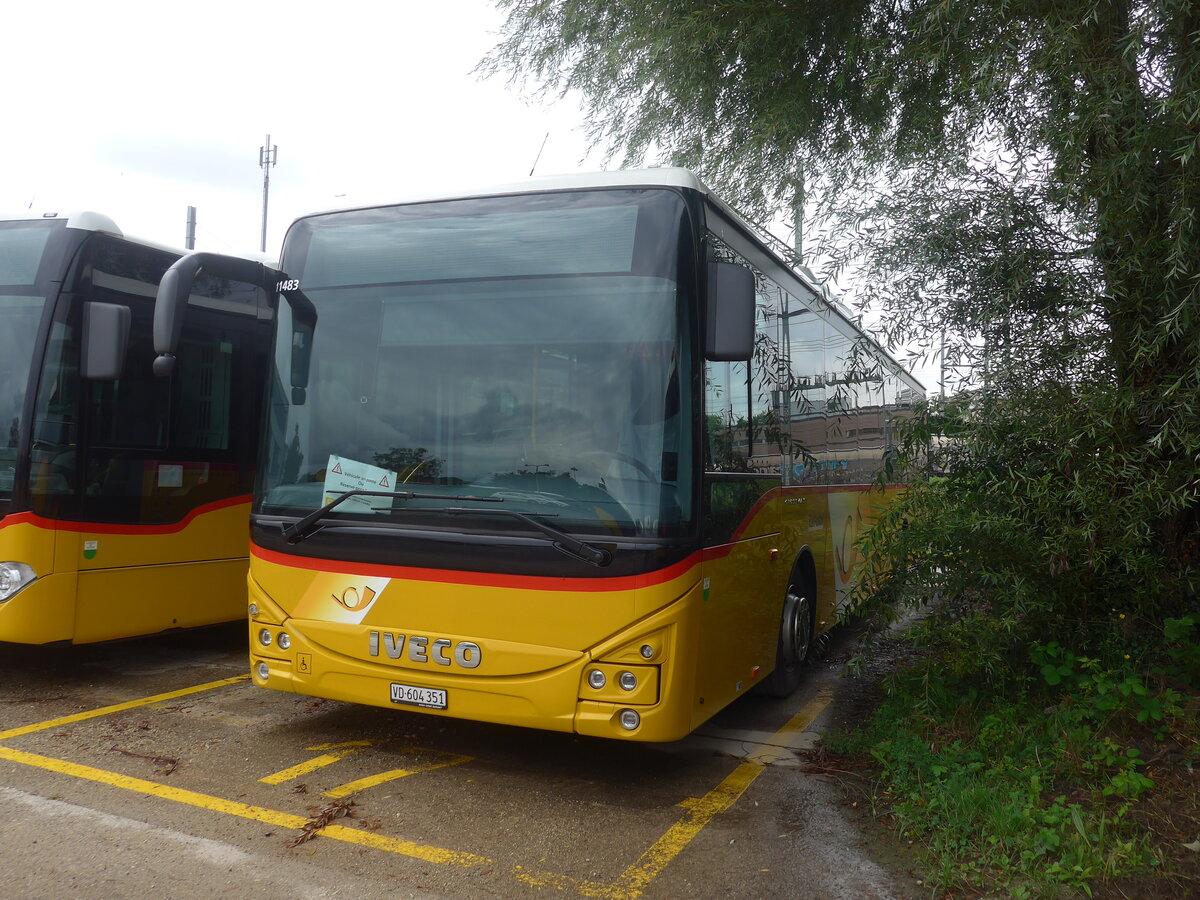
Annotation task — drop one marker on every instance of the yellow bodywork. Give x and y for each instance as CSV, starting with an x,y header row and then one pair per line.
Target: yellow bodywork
x,y
102,582
522,651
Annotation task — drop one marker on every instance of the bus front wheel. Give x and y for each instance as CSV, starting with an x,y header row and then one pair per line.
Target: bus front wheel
x,y
795,641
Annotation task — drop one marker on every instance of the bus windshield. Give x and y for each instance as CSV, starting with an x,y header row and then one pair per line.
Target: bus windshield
x,y
22,245
502,355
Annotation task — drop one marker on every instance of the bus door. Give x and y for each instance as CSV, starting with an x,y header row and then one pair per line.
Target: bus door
x,y
742,571
164,472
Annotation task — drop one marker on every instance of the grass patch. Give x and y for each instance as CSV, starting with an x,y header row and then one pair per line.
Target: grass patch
x,y
1078,777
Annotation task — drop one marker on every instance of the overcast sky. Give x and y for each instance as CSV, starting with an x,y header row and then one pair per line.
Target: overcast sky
x,y
140,109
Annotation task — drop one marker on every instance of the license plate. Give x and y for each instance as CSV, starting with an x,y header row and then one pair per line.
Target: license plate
x,y
410,695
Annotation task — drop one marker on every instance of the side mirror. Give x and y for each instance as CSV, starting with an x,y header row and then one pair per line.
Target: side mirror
x,y
105,339
729,333
170,305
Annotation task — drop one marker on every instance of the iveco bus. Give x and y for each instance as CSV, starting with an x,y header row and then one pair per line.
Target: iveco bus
x,y
124,498
582,454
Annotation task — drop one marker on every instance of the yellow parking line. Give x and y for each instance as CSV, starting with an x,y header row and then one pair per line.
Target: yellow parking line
x,y
628,886
317,762
242,810
634,880
119,707
362,784
785,737
342,833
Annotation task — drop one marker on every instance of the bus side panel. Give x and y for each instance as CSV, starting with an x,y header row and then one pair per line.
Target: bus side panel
x,y
819,539
744,582
139,581
43,611
851,511
217,531
743,595
807,517
118,603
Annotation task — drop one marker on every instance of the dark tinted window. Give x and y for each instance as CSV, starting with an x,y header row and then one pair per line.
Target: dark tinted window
x,y
150,450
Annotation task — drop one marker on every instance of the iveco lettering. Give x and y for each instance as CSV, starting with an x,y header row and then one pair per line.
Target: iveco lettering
x,y
421,649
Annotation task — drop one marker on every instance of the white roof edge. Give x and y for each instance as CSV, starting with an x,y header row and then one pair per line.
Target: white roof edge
x,y
658,176
89,220
85,220
666,176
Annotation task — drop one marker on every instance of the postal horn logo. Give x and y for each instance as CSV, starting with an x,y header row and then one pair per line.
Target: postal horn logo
x,y
354,601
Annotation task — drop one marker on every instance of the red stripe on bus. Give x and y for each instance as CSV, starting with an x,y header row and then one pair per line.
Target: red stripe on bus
x,y
480,579
37,521
762,501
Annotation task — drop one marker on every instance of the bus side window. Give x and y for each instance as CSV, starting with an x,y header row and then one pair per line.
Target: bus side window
x,y
726,413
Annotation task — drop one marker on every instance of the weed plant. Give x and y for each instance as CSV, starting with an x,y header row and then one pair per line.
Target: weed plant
x,y
1056,696
1025,788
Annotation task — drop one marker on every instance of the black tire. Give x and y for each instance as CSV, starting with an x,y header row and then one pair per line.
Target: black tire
x,y
795,643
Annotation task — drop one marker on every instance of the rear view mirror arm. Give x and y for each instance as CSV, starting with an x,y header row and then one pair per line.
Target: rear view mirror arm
x,y
170,304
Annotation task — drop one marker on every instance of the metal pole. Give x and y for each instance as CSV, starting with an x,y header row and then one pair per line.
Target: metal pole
x,y
266,158
189,238
798,196
539,154
942,373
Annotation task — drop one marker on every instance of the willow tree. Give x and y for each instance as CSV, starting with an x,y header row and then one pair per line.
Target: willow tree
x,y
1016,184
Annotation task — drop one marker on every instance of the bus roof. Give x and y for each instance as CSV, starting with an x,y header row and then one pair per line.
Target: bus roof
x,y
657,177
662,177
88,220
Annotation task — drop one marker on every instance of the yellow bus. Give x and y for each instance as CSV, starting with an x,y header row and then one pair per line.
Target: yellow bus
x,y
581,454
124,498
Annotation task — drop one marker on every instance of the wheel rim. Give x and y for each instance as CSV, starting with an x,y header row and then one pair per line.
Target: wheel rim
x,y
797,628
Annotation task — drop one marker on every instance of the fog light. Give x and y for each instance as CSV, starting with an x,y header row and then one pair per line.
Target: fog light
x,y
285,640
264,638
263,670
596,679
630,719
647,651
627,681
254,609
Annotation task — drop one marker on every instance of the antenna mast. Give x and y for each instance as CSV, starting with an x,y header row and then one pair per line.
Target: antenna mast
x,y
537,158
267,155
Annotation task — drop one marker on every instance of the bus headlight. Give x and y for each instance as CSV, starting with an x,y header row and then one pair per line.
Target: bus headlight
x,y
597,679
13,577
627,681
263,670
264,638
630,719
284,641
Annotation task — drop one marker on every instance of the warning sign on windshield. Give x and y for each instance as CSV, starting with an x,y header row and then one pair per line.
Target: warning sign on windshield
x,y
343,475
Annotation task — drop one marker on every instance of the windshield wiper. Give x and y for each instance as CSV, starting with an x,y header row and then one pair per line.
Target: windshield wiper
x,y
589,553
302,528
